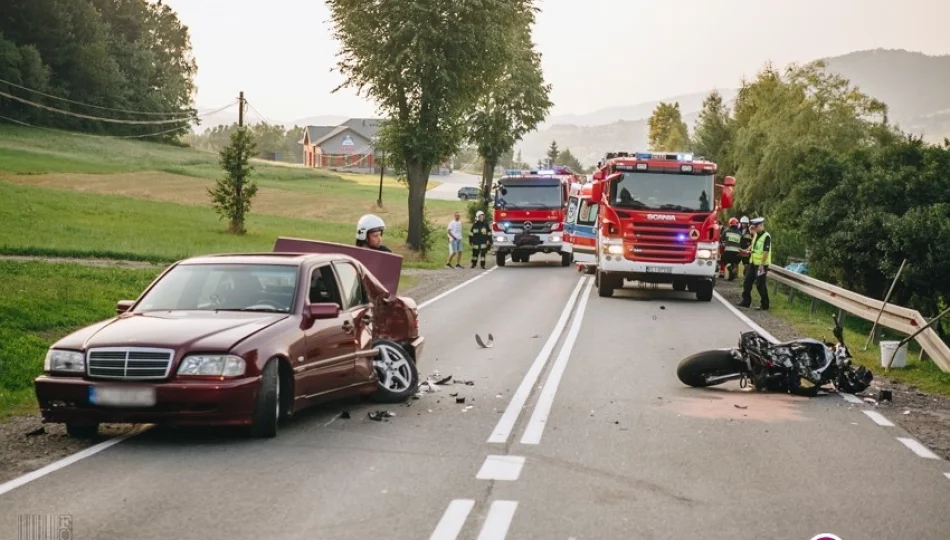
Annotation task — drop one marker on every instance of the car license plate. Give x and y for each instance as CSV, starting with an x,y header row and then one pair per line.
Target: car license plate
x,y
659,269
111,396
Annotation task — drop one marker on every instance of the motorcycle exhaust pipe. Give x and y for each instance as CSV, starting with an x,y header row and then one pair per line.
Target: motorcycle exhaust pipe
x,y
723,378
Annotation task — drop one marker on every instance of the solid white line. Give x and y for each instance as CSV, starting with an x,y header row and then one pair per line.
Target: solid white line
x,y
947,474
878,418
535,428
457,287
453,520
499,519
851,398
501,468
918,448
507,421
742,316
68,460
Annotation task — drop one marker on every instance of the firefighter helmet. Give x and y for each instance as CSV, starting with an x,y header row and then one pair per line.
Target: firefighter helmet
x,y
367,224
744,219
733,222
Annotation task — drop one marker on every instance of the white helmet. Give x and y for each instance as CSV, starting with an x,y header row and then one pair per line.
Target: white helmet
x,y
745,219
367,224
479,213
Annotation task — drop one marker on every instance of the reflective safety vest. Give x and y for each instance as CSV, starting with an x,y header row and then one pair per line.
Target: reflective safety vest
x,y
758,244
733,237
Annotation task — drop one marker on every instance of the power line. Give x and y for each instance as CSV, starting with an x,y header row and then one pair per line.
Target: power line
x,y
143,135
145,113
100,119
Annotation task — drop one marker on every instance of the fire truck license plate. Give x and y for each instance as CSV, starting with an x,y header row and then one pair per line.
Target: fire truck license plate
x,y
659,269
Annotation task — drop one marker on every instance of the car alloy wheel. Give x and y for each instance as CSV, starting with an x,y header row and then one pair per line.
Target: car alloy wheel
x,y
393,369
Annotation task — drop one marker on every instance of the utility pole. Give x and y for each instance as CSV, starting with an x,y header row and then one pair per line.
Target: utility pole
x,y
382,171
241,109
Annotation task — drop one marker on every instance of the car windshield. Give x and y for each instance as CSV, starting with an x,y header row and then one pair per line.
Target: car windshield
x,y
225,287
519,196
663,191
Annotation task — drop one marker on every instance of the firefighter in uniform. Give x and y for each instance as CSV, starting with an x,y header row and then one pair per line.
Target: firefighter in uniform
x,y
732,237
480,239
760,257
745,242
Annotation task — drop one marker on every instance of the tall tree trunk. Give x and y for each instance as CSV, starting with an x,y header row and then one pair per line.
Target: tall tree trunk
x,y
488,174
418,175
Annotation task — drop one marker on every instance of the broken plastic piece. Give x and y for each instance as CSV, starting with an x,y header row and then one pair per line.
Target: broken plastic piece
x,y
740,406
379,415
482,344
344,414
460,400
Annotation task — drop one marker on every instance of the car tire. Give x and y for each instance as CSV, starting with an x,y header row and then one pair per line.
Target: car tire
x,y
393,363
267,409
500,258
82,431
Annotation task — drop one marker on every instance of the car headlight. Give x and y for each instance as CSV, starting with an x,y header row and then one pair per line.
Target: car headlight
x,y
217,365
64,361
704,254
555,238
615,250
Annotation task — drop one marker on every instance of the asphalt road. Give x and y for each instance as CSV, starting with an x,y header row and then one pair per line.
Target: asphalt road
x,y
450,184
609,444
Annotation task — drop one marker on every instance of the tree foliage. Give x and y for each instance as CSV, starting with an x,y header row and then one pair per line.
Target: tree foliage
x,y
567,159
271,141
232,194
668,131
425,63
553,153
131,55
714,131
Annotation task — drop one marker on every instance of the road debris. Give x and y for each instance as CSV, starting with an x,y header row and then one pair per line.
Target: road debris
x,y
380,415
482,344
885,395
736,405
38,431
466,409
345,414
460,400
662,307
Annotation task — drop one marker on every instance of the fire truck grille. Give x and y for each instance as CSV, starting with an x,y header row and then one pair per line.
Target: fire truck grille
x,y
660,242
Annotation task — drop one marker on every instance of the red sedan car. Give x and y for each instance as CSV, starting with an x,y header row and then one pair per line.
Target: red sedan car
x,y
242,340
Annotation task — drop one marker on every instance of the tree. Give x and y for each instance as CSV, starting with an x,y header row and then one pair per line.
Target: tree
x,y
567,159
713,134
232,194
553,153
425,63
668,131
516,102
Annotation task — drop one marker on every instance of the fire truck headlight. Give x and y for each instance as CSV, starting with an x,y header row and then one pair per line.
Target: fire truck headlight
x,y
704,254
555,238
615,250
499,238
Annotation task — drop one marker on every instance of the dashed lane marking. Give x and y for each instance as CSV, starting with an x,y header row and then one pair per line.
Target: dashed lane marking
x,y
879,418
453,520
918,448
501,468
498,521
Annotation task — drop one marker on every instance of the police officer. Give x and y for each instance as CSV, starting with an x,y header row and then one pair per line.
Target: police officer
x,y
732,237
760,257
369,233
479,239
745,242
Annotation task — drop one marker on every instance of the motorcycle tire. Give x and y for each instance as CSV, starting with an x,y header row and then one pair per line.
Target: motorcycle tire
x,y
693,369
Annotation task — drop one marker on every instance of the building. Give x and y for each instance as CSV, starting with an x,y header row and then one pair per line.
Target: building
x,y
349,146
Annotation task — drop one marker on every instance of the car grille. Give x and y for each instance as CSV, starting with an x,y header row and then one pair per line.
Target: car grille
x,y
129,363
537,227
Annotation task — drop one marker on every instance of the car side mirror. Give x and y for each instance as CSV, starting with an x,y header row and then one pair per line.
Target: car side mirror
x,y
323,310
123,305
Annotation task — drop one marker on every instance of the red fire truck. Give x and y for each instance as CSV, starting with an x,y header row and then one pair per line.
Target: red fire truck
x,y
658,221
529,214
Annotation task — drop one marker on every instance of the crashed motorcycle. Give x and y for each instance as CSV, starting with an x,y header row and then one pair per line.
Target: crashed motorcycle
x,y
801,366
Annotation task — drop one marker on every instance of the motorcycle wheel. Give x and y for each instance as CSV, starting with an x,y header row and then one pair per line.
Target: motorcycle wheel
x,y
693,370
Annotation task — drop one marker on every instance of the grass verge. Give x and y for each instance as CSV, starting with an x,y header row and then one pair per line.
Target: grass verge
x,y
42,302
817,322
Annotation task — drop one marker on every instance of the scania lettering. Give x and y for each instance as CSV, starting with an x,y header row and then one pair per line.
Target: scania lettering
x,y
529,214
636,242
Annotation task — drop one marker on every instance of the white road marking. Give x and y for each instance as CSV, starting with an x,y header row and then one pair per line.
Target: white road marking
x,y
947,474
68,460
878,418
453,520
457,287
499,519
535,428
744,318
851,398
918,448
507,421
501,468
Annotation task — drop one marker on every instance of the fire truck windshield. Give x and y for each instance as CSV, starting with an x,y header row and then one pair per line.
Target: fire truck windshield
x,y
659,191
526,196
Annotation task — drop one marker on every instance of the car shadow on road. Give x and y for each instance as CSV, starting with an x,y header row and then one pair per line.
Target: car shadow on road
x,y
633,292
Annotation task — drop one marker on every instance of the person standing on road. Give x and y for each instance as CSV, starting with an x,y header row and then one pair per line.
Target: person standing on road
x,y
745,242
369,233
730,252
454,232
760,257
480,239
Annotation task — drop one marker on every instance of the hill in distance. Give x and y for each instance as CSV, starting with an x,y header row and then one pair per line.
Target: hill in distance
x,y
915,86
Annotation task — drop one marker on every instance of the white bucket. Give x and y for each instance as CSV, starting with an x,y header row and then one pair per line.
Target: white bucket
x,y
887,349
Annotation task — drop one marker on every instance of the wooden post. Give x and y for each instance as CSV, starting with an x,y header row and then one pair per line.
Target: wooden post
x,y
241,109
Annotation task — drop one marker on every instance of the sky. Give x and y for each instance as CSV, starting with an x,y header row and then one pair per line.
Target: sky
x,y
595,53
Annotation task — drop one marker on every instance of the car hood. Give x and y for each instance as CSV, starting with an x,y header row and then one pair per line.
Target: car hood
x,y
179,330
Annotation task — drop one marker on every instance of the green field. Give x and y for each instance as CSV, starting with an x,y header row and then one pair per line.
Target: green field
x,y
924,375
84,196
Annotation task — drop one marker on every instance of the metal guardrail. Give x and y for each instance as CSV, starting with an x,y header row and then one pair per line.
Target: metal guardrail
x,y
900,319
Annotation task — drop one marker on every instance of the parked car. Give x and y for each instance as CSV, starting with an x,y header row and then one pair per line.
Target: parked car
x,y
241,339
467,192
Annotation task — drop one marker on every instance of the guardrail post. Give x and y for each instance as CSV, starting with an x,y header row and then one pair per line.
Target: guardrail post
x,y
811,308
912,336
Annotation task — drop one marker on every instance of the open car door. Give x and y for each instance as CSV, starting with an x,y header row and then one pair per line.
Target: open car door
x,y
385,267
572,203
584,231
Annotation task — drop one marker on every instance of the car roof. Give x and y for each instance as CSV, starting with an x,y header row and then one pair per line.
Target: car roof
x,y
285,259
